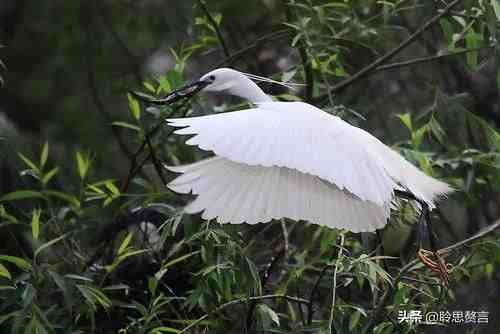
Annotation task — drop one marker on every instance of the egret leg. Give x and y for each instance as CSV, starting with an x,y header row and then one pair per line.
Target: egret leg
x,y
431,259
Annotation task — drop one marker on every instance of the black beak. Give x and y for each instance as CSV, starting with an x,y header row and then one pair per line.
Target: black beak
x,y
175,95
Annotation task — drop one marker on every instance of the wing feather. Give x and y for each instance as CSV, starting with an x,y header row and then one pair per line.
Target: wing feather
x,y
238,193
296,136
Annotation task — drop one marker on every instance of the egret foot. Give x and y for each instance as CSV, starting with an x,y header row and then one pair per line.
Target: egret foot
x,y
435,262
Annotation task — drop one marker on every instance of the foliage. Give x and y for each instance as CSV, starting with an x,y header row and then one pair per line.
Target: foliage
x,y
87,252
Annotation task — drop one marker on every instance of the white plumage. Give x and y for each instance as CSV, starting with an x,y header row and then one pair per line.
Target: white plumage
x,y
293,160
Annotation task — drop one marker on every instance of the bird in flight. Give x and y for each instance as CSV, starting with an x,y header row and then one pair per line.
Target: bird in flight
x,y
292,160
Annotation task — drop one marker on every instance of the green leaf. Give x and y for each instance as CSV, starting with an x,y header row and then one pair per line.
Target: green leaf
x,y
149,87
49,243
19,262
496,8
406,120
135,108
179,259
127,125
48,176
78,277
83,163
4,272
21,194
44,155
28,162
354,320
418,136
384,327
35,223
125,243
6,317
8,217
266,311
152,285
100,297
111,187
63,196
472,41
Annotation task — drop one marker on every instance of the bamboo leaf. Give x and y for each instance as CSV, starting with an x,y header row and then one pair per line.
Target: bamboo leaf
x,y
496,8
406,120
19,262
4,272
35,223
49,243
127,125
28,162
21,194
49,175
63,196
44,155
134,106
82,163
125,243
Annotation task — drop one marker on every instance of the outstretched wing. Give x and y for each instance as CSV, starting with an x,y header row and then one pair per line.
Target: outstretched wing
x,y
297,136
237,193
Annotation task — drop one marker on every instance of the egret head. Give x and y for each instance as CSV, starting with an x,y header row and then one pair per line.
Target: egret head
x,y
232,82
222,79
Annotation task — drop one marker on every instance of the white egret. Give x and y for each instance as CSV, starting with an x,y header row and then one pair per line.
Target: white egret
x,y
293,160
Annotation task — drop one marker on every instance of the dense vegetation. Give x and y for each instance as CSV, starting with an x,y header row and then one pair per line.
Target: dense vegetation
x,y
92,241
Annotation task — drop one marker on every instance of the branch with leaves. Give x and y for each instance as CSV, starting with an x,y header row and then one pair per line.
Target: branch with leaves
x,y
381,60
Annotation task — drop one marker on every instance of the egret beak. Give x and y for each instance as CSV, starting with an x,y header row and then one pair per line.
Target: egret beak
x,y
175,95
192,88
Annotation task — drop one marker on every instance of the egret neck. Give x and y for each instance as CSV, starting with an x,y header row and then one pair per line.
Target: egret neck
x,y
247,89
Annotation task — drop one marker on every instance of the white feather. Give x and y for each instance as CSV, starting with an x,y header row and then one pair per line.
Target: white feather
x,y
238,193
294,135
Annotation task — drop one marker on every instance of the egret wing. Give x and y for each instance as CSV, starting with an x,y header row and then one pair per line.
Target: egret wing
x,y
297,136
233,192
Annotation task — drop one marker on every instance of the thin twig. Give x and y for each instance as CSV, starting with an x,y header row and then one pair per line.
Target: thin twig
x,y
285,240
156,162
91,80
261,40
103,13
379,61
310,309
306,64
240,301
476,236
214,24
136,167
427,59
334,287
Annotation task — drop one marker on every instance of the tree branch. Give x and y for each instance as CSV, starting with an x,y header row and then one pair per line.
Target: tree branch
x,y
371,67
416,61
214,24
261,40
480,234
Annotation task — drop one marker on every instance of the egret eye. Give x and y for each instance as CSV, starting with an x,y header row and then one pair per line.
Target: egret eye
x,y
211,78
